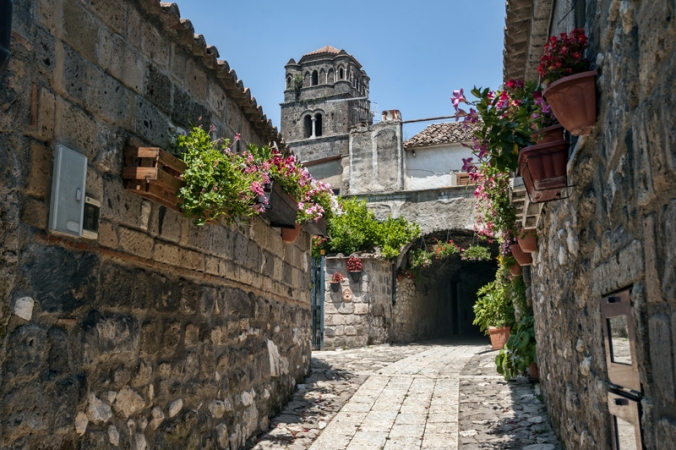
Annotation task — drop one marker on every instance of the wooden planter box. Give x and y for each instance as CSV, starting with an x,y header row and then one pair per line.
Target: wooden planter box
x,y
317,228
281,209
153,173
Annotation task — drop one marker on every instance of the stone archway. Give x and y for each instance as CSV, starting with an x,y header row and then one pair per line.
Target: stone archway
x,y
438,302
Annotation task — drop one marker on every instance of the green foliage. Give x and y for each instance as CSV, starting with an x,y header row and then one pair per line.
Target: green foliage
x,y
494,304
519,351
476,253
216,184
393,234
357,229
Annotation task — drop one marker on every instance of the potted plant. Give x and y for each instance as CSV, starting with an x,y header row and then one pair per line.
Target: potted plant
x,y
523,258
519,352
571,86
354,268
544,170
289,235
494,312
336,279
528,240
475,253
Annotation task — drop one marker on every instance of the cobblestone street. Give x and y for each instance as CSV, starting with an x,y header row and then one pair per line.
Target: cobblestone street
x,y
434,395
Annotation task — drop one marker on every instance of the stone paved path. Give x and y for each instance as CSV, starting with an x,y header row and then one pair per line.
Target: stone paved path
x,y
399,397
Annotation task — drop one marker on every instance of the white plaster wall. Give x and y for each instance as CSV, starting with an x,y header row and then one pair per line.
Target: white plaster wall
x,y
431,167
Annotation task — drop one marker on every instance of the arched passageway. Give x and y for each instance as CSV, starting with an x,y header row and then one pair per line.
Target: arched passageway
x,y
436,301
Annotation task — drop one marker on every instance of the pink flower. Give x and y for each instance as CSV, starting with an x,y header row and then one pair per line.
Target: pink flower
x,y
458,97
467,165
238,137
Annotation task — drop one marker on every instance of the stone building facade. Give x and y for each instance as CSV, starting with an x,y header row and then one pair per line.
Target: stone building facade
x,y
159,333
326,94
615,233
358,313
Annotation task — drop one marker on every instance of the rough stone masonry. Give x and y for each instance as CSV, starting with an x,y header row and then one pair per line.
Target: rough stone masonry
x,y
159,334
616,231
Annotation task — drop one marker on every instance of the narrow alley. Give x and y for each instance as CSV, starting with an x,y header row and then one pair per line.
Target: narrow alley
x,y
433,395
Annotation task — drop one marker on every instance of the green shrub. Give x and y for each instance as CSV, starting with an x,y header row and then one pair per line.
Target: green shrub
x,y
519,351
494,304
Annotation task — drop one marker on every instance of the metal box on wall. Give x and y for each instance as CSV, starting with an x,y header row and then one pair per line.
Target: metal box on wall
x,y
66,210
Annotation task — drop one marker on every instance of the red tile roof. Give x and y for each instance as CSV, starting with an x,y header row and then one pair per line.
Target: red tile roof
x,y
326,49
442,133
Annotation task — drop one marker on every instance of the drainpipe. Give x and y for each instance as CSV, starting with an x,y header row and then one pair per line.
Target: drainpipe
x,y
5,33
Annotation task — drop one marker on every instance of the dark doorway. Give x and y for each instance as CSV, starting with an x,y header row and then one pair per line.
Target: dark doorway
x,y
307,126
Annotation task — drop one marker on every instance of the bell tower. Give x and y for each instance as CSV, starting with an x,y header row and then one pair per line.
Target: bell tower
x,y
326,94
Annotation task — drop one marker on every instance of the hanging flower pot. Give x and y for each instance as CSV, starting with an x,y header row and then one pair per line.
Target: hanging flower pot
x,y
573,100
317,228
336,279
335,287
515,270
289,235
549,134
528,241
499,336
543,168
524,259
354,268
281,208
355,276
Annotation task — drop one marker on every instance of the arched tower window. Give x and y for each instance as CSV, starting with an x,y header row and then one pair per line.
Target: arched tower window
x,y
315,78
306,79
289,82
330,76
322,77
307,126
342,73
318,125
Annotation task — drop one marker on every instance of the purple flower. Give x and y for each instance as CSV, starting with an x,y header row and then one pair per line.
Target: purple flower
x,y
467,165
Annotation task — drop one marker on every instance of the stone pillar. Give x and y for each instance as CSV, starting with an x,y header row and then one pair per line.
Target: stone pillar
x,y
314,121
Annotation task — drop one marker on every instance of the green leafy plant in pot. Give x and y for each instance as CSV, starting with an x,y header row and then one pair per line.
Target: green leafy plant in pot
x,y
494,311
519,352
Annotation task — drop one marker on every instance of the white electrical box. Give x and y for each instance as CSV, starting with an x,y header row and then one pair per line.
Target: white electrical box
x,y
66,212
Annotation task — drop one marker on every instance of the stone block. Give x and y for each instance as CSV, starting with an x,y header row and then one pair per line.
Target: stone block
x,y
80,28
41,166
113,13
76,129
167,253
196,80
154,45
338,330
35,213
46,115
135,242
62,280
665,430
150,123
178,63
619,271
108,334
361,308
669,245
27,355
661,353
158,88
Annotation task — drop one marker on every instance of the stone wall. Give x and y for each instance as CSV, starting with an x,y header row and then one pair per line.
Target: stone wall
x,y
616,230
376,158
160,333
359,313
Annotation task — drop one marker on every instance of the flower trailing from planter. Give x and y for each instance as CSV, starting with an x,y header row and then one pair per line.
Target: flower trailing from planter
x,y
564,56
354,264
217,182
337,277
476,253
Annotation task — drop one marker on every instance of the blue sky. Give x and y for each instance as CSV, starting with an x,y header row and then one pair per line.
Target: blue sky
x,y
415,52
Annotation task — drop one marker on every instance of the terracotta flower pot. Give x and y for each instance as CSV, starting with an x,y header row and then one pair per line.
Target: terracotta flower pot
x,y
515,270
528,241
549,134
573,101
543,168
356,276
499,336
533,372
289,235
524,259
